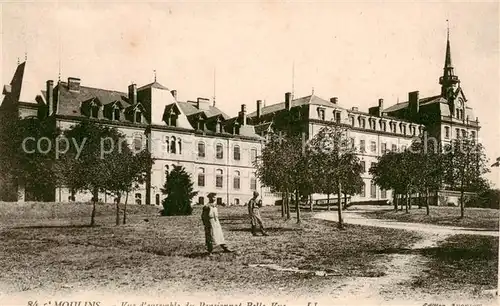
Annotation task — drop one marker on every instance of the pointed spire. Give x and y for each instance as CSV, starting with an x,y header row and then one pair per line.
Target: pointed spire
x,y
447,61
154,73
312,91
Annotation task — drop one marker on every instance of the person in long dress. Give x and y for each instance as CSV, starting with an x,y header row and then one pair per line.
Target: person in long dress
x,y
254,211
213,229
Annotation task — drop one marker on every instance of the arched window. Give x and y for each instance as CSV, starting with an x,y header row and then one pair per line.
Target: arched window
x,y
172,145
219,151
179,142
201,177
253,182
201,149
219,178
236,180
236,153
253,155
167,144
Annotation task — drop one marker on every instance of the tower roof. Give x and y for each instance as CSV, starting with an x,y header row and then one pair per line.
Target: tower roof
x,y
447,60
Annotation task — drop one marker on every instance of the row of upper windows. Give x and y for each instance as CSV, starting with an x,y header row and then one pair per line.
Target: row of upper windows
x,y
219,178
114,113
219,152
393,126
458,133
373,146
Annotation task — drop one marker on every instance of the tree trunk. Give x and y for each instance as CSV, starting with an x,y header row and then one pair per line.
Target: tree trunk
x,y
339,209
401,202
118,196
283,205
407,202
287,206
328,201
427,201
345,201
311,203
395,199
125,210
297,208
462,204
95,194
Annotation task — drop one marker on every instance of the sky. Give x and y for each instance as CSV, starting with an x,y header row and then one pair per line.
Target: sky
x,y
246,51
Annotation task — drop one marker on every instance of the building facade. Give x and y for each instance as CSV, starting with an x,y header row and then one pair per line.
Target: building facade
x,y
218,151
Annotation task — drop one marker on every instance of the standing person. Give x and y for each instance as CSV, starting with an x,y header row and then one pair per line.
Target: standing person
x,y
254,212
213,230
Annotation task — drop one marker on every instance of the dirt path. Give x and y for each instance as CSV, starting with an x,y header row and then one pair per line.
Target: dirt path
x,y
399,268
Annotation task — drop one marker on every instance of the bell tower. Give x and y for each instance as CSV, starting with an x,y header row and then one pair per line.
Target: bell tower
x,y
449,81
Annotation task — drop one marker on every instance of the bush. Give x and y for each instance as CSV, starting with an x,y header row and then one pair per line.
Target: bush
x,y
179,191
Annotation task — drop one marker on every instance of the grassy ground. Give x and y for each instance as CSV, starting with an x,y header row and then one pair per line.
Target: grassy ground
x,y
56,251
461,262
474,217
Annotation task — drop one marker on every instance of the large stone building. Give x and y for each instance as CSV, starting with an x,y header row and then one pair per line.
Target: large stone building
x,y
218,150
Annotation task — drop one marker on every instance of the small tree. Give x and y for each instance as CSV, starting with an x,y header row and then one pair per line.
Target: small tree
x,y
90,166
180,192
466,164
335,164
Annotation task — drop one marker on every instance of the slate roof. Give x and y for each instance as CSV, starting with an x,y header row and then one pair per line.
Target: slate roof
x,y
152,85
189,108
70,101
423,101
308,100
262,127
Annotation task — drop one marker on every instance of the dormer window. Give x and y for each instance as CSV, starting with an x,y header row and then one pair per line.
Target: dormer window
x,y
94,111
116,113
138,117
321,113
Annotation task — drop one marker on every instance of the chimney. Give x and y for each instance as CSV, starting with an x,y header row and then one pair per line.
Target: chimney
x,y
380,106
259,107
132,94
74,84
413,102
334,100
288,100
50,97
203,104
243,114
355,108
174,94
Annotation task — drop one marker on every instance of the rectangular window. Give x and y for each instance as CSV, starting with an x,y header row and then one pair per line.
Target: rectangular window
x,y
321,114
373,146
236,153
219,151
363,190
457,133
383,194
362,145
447,132
394,148
352,142
473,135
464,133
383,147
218,181
337,117
236,182
138,143
383,125
253,155
253,183
201,149
138,117
373,190
116,115
138,198
201,200
363,166
372,165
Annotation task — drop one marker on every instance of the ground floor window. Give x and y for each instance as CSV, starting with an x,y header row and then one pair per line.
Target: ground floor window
x,y
157,199
236,201
373,190
201,200
363,190
219,201
383,194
